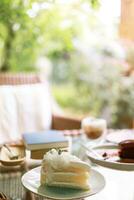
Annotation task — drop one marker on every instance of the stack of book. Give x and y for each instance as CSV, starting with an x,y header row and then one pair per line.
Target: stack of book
x,y
41,142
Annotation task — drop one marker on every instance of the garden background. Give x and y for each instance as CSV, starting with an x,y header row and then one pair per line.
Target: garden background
x,y
77,46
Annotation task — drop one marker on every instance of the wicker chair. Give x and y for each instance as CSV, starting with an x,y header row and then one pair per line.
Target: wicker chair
x,y
10,177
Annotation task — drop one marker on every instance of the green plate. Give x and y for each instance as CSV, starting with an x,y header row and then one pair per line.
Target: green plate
x,y
31,181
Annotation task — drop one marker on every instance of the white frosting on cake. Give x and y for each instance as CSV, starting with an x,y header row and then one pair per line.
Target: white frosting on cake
x,y
64,169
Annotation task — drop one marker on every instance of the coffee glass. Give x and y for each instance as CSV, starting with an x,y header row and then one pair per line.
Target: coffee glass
x,y
94,128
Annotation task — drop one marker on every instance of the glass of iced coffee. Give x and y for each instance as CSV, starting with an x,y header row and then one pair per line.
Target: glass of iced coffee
x,y
94,128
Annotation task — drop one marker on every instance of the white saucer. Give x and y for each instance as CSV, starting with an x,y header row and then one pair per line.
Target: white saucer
x,y
113,162
31,181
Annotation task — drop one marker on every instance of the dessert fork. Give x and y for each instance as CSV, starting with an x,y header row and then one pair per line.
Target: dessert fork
x,y
92,151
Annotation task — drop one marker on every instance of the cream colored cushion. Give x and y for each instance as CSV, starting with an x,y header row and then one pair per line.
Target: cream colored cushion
x,y
24,108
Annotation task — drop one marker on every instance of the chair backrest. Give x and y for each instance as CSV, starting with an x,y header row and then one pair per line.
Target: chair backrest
x,y
19,78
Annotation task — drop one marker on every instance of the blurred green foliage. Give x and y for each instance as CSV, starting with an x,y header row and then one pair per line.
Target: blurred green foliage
x,y
99,86
70,100
33,28
14,21
87,66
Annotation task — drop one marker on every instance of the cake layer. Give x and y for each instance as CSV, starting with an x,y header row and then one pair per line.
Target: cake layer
x,y
69,180
70,185
127,144
74,167
80,178
63,162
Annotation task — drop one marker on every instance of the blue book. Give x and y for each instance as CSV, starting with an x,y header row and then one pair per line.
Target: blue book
x,y
45,140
